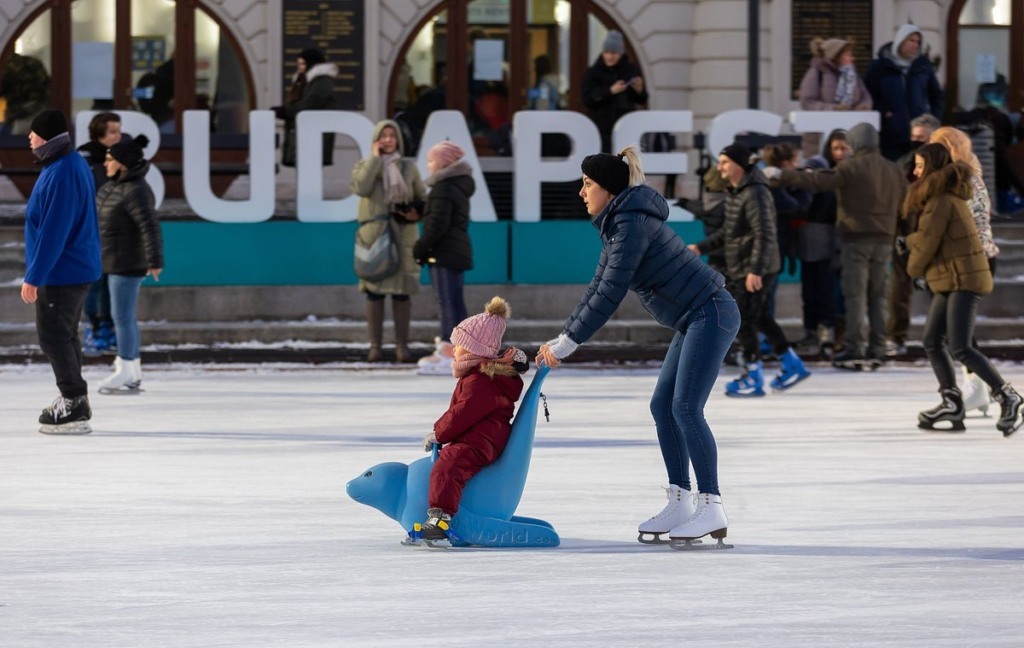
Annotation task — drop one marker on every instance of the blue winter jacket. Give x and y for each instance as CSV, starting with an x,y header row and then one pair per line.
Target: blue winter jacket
x,y
62,244
643,254
902,95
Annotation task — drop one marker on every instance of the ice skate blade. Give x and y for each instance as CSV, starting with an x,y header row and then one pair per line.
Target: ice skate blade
x,y
781,387
412,542
121,391
757,394
76,428
690,544
657,539
955,426
443,543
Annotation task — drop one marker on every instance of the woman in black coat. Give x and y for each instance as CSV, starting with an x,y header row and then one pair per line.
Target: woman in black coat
x,y
444,244
612,87
131,248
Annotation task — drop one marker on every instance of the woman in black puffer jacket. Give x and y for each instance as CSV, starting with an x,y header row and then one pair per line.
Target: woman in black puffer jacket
x,y
444,245
131,248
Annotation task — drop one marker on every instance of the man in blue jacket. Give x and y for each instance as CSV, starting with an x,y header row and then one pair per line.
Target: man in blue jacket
x,y
903,85
62,259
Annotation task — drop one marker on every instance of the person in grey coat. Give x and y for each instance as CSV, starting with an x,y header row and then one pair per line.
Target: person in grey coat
x,y
642,253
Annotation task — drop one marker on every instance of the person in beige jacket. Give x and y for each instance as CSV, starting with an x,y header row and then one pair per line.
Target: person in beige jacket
x,y
832,83
389,184
945,250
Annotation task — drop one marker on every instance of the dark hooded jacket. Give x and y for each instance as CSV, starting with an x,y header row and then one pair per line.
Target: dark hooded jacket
x,y
603,107
445,239
640,252
317,95
130,236
901,94
749,234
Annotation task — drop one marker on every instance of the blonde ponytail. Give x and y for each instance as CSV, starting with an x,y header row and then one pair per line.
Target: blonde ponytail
x,y
636,170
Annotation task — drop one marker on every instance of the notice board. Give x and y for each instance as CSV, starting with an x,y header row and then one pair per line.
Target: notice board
x,y
337,29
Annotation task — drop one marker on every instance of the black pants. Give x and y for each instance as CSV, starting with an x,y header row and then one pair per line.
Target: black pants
x,y
947,335
818,289
755,318
58,311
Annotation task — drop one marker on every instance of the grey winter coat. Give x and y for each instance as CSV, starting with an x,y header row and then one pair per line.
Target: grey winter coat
x,y
130,238
368,183
640,252
749,232
318,95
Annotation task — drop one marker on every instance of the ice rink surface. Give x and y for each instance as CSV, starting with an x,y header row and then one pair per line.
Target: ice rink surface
x,y
211,511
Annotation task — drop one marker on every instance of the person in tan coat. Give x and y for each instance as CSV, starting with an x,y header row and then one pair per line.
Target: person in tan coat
x,y
945,250
389,184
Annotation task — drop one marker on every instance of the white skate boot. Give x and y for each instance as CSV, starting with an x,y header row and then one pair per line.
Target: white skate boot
x,y
439,363
709,518
975,393
678,510
126,378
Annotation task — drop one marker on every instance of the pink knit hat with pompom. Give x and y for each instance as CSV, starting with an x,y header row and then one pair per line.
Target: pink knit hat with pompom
x,y
446,153
481,334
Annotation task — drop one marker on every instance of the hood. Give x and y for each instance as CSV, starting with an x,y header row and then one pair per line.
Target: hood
x,y
753,177
902,34
823,65
641,198
384,123
963,172
327,69
457,170
862,137
135,173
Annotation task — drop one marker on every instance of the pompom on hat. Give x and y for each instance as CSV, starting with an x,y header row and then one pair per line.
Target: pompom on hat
x,y
49,124
445,153
481,334
129,151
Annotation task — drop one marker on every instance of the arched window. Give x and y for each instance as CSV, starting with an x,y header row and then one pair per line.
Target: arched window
x,y
514,55
158,56
986,52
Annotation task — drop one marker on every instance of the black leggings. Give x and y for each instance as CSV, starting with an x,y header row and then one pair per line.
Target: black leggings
x,y
755,318
947,335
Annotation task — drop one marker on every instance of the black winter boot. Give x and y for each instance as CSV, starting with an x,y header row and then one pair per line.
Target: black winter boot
x,y
436,526
951,409
1009,409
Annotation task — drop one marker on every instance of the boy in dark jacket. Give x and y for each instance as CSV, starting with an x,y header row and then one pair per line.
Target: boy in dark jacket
x,y
752,260
476,427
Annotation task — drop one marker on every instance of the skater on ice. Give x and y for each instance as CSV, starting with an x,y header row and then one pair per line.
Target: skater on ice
x,y
640,252
946,251
474,430
62,259
132,249
752,259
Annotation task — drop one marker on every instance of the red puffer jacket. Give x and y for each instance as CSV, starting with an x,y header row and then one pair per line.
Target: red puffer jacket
x,y
481,409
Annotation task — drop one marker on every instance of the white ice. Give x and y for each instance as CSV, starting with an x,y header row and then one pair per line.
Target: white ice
x,y
211,511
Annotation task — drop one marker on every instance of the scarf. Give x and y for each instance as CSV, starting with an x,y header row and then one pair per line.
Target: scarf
x,y
396,192
470,362
53,149
846,85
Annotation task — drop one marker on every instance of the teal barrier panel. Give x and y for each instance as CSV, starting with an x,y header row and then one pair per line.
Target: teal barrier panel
x,y
289,253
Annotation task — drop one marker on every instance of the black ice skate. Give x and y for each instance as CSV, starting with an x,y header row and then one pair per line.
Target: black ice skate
x,y
67,416
436,529
855,362
951,409
1009,409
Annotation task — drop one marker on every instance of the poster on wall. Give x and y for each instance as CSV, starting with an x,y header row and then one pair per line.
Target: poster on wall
x,y
335,28
850,20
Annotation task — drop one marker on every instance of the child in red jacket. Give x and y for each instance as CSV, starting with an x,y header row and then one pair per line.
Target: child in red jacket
x,y
476,427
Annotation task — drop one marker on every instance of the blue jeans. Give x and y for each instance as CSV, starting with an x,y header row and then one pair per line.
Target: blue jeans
x,y
448,286
684,385
124,295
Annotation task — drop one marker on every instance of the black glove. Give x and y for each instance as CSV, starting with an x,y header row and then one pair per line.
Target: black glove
x,y
901,246
920,284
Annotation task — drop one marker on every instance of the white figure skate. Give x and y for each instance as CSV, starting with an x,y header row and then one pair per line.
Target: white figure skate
x,y
708,519
679,509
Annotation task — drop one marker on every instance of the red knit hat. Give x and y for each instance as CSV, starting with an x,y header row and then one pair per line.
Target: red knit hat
x,y
445,153
481,334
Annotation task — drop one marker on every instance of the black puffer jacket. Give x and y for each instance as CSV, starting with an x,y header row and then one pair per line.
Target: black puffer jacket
x,y
749,233
130,239
603,107
445,240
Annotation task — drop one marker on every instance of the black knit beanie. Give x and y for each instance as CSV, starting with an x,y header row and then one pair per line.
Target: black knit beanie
x,y
49,124
738,153
129,151
312,56
609,171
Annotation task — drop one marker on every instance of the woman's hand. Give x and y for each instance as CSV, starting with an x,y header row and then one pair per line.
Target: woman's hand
x,y
375,149
545,356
